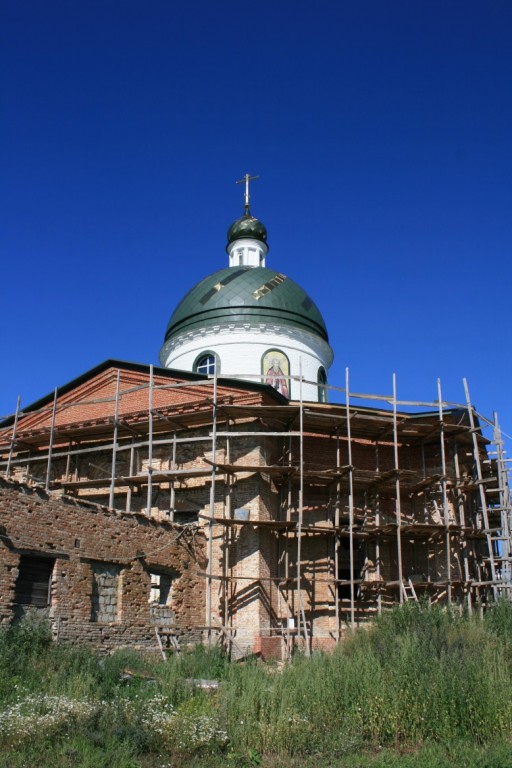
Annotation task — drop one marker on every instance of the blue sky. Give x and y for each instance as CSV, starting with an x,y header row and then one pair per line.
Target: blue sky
x,y
381,132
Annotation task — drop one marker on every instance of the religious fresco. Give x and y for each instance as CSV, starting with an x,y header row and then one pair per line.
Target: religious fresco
x,y
275,369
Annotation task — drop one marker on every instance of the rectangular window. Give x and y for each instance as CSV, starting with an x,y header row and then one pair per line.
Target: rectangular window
x,y
105,592
161,589
34,581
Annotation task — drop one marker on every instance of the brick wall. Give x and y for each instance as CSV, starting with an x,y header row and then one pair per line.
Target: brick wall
x,y
103,561
93,401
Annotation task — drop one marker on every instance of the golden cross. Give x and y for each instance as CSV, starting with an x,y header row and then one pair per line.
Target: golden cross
x,y
247,178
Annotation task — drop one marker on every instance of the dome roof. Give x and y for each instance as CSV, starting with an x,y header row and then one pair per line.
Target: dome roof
x,y
246,294
247,226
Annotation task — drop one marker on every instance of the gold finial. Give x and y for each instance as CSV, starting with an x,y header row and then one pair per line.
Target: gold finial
x,y
247,178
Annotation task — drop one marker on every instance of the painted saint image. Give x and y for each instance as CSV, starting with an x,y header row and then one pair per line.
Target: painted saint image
x,y
276,370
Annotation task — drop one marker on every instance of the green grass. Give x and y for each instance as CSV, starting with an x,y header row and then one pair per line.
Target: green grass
x,y
422,687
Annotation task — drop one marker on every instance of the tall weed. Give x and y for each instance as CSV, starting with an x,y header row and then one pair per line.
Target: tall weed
x,y
417,677
418,674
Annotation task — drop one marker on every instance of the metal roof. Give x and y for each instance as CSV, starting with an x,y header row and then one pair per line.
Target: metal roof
x,y
246,294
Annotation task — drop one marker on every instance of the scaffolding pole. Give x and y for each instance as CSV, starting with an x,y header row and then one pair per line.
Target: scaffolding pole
x,y
172,490
13,440
114,446
337,539
131,470
398,508
377,540
350,500
462,523
284,556
300,608
227,541
212,513
150,442
446,513
50,447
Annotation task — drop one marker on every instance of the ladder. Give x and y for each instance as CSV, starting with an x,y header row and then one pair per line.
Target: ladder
x,y
484,508
408,591
167,639
503,539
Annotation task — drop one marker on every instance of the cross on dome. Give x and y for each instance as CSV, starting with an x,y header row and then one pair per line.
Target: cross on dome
x,y
247,178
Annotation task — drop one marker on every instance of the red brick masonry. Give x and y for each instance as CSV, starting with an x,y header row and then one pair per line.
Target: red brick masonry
x,y
83,539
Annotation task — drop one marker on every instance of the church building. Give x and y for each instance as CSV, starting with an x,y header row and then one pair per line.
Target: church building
x,y
251,321
224,497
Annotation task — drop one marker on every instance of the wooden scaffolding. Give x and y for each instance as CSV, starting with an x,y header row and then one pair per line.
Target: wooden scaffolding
x,y
367,493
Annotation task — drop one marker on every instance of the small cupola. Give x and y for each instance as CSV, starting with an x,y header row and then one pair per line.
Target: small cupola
x,y
247,236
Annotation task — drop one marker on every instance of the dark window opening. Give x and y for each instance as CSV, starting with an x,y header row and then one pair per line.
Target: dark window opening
x,y
344,589
344,568
185,518
33,585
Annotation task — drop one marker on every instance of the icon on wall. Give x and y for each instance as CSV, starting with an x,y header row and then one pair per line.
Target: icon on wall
x,y
276,370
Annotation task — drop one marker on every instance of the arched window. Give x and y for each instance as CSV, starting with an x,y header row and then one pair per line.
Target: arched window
x,y
322,389
206,364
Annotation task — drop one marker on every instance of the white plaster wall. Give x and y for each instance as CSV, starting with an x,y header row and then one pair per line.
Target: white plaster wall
x,y
240,349
247,252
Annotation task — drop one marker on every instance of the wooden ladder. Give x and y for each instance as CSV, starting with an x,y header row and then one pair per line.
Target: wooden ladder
x,y
167,639
408,591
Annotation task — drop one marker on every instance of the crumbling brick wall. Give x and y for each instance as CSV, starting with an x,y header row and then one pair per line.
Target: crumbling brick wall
x,y
103,563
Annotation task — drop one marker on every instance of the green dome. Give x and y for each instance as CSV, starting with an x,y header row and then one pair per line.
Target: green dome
x,y
247,226
246,295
